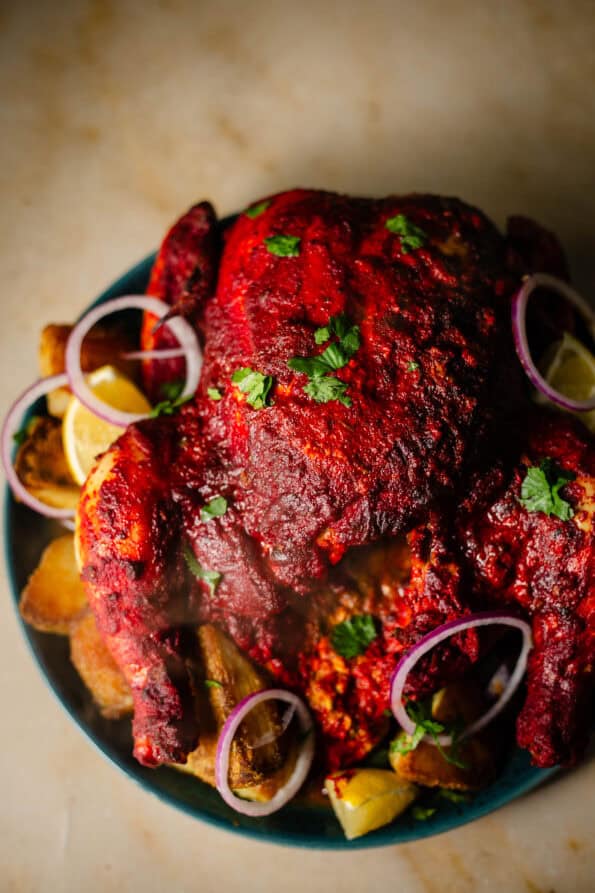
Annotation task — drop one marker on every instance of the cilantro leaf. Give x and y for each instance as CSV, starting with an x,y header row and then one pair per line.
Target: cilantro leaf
x,y
169,407
171,390
216,508
254,385
211,578
454,796
283,246
310,366
256,210
422,813
213,683
326,388
337,325
412,366
412,236
214,393
425,724
540,490
352,637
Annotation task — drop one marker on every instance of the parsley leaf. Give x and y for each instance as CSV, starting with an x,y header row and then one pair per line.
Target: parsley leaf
x,y
255,385
211,578
214,393
540,490
337,325
283,246
169,407
353,636
425,724
405,743
326,388
171,390
422,813
256,210
412,236
213,683
310,366
412,366
214,509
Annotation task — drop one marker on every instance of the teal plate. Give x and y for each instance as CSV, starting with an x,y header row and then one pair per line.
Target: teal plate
x,y
297,824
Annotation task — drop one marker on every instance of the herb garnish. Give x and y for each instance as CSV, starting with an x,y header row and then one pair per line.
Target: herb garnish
x,y
213,683
256,210
422,813
283,246
323,387
171,390
412,236
425,724
540,490
412,366
255,385
214,509
214,393
169,407
211,578
352,637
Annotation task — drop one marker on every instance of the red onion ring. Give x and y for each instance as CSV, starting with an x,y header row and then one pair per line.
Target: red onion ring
x,y
301,768
429,641
11,425
168,353
521,343
76,379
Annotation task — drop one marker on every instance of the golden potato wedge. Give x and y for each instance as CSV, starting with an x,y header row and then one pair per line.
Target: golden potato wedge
x,y
41,465
54,596
427,766
98,669
102,346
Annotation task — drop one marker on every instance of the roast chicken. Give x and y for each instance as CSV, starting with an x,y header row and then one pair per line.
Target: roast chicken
x,y
411,444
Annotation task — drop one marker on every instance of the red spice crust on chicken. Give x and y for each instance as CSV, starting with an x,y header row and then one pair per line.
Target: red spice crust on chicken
x,y
426,462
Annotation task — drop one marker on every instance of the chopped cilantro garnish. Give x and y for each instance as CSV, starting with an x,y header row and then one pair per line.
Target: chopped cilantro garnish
x,y
171,390
425,724
211,578
254,385
325,388
540,490
213,683
283,246
454,796
412,236
352,637
256,210
412,366
214,509
214,393
422,813
169,407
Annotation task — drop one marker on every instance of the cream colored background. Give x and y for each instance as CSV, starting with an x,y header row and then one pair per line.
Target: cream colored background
x,y
115,116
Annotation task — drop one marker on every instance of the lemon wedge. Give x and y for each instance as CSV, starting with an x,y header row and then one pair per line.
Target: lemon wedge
x,y
570,369
85,435
366,799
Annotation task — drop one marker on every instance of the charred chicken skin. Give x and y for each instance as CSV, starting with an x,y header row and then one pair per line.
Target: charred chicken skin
x,y
420,446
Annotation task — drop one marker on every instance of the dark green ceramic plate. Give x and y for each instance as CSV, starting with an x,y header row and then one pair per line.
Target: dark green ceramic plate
x,y
295,825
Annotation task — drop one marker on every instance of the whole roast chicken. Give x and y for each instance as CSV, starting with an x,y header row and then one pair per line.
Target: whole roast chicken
x,y
359,391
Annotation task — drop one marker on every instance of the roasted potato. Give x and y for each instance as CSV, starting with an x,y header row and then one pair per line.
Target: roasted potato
x,y
54,596
101,346
41,465
98,670
427,766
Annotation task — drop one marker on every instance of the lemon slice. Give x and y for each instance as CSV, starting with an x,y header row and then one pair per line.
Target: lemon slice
x,y
571,371
366,799
85,435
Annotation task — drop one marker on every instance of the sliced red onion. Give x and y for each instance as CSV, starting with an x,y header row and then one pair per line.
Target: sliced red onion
x,y
273,734
302,765
76,379
166,353
429,641
12,423
519,329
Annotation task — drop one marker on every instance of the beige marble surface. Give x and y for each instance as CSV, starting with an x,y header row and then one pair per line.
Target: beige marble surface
x,y
117,115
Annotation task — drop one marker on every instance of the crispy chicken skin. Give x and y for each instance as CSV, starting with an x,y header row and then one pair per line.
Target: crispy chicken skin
x,y
432,446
